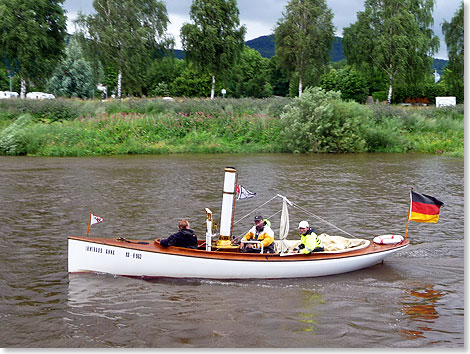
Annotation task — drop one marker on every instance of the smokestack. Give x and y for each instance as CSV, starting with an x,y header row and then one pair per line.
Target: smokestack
x,y
228,207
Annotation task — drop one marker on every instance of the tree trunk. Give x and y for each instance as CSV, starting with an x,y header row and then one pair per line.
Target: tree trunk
x,y
119,85
300,87
389,97
213,87
23,88
391,77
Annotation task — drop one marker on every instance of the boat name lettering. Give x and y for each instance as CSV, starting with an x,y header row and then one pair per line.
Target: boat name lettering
x,y
99,250
134,255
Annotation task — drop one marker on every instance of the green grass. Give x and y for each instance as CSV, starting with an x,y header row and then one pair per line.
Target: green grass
x,y
86,128
135,133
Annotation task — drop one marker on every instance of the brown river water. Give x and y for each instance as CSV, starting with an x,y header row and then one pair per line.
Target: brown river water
x,y
415,299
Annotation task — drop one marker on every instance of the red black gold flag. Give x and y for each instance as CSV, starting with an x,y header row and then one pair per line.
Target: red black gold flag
x,y
424,208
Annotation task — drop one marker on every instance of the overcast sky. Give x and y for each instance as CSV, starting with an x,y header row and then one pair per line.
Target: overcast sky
x,y
260,16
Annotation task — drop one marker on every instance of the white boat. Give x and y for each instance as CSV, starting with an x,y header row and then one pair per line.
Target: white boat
x,y
221,258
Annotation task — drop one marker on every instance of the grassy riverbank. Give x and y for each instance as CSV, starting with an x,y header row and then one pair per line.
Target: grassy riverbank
x,y
83,128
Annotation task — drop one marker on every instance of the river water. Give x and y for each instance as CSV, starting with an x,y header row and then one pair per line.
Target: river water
x,y
413,300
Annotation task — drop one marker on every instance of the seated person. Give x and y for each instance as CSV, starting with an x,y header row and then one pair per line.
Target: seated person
x,y
260,232
185,237
309,241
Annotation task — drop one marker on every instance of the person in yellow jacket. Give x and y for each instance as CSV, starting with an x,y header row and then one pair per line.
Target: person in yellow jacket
x,y
260,232
309,240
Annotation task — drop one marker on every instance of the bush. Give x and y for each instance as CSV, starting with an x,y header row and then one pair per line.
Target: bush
x,y
420,93
423,129
321,122
386,136
12,138
380,95
348,81
41,110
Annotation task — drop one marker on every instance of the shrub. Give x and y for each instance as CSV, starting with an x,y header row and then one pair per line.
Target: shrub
x,y
321,122
12,138
42,110
348,81
380,95
386,136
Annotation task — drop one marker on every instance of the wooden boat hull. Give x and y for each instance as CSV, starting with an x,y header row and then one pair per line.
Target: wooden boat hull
x,y
101,255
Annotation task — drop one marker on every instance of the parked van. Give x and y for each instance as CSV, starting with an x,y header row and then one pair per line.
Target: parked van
x,y
8,94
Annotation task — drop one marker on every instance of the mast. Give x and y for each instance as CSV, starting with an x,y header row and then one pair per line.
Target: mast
x,y
228,209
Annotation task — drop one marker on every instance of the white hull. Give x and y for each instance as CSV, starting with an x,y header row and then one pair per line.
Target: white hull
x,y
91,256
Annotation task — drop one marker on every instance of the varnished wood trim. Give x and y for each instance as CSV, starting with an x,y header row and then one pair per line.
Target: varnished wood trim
x,y
234,256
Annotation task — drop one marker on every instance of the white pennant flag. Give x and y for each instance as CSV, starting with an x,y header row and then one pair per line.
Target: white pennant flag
x,y
95,219
244,193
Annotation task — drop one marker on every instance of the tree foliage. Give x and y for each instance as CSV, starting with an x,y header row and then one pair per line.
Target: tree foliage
x,y
304,37
124,45
73,76
191,83
394,36
350,82
125,35
215,39
279,77
454,37
32,37
162,73
251,76
4,80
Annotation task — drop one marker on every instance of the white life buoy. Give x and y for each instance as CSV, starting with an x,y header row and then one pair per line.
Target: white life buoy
x,y
388,239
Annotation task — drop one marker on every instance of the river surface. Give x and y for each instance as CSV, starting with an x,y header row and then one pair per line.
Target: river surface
x,y
415,299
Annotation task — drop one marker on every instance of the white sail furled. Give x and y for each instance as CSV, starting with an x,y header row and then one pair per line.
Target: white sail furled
x,y
284,228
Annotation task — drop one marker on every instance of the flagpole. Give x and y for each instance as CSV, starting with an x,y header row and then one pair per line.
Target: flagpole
x,y
89,223
407,220
409,213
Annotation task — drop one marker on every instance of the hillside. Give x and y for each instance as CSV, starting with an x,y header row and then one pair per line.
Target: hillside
x,y
265,46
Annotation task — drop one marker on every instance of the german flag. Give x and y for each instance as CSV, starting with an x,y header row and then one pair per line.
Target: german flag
x,y
424,208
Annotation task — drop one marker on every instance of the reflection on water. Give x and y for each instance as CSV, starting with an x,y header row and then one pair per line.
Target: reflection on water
x,y
419,305
309,315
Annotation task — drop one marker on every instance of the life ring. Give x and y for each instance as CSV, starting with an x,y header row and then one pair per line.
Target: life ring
x,y
388,239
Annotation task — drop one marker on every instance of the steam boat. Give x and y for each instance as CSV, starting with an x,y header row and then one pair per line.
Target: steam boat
x,y
219,257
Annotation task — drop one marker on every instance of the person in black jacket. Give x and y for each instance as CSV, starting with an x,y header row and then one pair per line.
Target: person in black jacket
x,y
185,237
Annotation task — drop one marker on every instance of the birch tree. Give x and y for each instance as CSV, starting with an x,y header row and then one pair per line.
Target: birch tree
x,y
215,39
394,36
32,38
454,37
125,34
304,37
